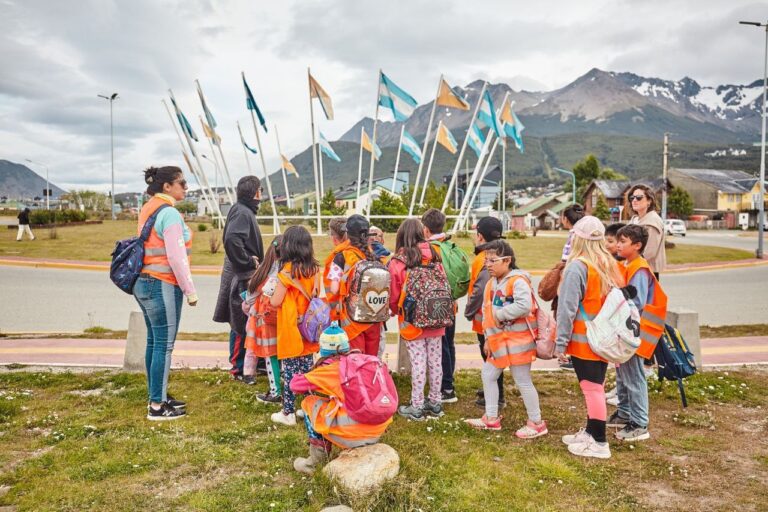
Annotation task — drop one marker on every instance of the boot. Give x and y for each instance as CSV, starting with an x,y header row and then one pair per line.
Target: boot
x,y
317,455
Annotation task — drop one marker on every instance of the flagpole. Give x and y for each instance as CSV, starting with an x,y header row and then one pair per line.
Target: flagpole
x,y
360,171
424,149
504,176
479,185
320,161
282,167
245,151
463,148
275,223
397,160
231,190
314,156
215,162
369,201
429,167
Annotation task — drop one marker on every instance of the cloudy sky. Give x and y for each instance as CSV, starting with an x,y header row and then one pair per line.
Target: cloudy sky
x,y
57,55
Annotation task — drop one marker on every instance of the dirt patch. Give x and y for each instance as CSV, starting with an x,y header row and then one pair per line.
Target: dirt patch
x,y
20,458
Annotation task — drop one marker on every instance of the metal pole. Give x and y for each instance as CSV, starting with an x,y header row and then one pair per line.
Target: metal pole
x,y
314,157
504,176
112,155
397,163
369,201
282,168
761,188
358,208
664,171
429,169
573,178
424,149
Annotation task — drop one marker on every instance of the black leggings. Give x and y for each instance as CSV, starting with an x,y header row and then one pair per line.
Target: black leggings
x,y
592,371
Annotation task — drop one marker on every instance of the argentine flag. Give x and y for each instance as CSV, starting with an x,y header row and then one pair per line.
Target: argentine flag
x,y
411,147
487,114
476,139
326,148
394,98
516,132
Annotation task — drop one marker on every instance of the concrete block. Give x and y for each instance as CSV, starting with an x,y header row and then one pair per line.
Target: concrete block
x,y
135,343
687,322
403,359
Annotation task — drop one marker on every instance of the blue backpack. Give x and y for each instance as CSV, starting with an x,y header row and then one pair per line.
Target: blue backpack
x,y
128,257
675,360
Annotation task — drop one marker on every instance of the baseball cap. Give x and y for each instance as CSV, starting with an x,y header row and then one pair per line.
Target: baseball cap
x,y
589,228
357,226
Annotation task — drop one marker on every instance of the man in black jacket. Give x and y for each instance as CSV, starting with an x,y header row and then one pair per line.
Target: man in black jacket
x,y
244,250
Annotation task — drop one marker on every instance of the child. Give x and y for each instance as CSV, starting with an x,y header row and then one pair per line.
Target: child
x,y
570,216
326,417
423,345
610,239
377,244
651,301
589,275
298,268
337,227
261,329
509,319
488,230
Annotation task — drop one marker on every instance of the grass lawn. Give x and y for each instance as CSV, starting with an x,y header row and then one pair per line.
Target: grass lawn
x,y
79,441
95,243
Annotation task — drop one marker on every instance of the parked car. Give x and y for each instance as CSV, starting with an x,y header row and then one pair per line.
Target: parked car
x,y
674,227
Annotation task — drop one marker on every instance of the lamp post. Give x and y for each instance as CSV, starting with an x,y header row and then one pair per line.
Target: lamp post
x,y
761,188
47,186
111,146
573,177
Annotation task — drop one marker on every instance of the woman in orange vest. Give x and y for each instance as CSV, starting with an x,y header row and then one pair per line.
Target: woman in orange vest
x,y
164,282
298,268
509,322
590,273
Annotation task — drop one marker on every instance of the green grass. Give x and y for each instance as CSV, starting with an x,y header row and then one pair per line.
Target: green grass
x,y
734,331
63,450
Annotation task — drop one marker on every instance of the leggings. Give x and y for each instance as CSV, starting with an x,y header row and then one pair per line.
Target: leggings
x,y
425,353
522,375
290,367
481,342
591,375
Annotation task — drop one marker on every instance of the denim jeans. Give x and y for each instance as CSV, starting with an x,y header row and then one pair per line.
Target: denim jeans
x,y
161,304
632,391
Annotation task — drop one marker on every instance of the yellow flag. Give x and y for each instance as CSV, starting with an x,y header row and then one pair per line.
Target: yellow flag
x,y
445,138
315,91
211,134
289,166
447,98
506,113
366,142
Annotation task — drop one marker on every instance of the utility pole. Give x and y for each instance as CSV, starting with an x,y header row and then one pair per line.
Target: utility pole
x,y
664,173
111,99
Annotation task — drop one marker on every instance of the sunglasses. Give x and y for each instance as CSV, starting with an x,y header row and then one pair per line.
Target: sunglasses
x,y
183,183
636,198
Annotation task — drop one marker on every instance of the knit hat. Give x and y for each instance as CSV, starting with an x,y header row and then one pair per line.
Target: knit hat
x,y
589,228
333,340
490,228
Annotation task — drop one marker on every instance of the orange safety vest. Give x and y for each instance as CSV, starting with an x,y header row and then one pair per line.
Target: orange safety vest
x,y
511,343
155,258
332,299
260,334
289,340
337,302
477,266
654,314
329,417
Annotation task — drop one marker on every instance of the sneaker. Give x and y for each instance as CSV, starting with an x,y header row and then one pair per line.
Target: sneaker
x,y
579,437
164,413
433,409
284,419
269,398
176,404
484,424
448,397
249,379
410,412
480,393
480,402
567,366
612,393
591,448
300,414
531,430
616,421
614,401
633,432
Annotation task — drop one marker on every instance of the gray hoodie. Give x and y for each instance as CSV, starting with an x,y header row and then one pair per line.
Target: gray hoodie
x,y
521,300
572,288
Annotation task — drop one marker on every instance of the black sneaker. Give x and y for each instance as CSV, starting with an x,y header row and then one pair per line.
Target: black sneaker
x,y
164,413
616,421
433,409
176,404
448,397
249,379
480,402
269,398
479,393
567,366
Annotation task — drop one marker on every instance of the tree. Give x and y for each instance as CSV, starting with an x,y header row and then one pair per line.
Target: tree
x,y
601,210
328,205
589,169
89,199
679,202
186,207
387,204
433,198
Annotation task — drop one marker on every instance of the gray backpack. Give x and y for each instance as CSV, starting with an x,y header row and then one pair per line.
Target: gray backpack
x,y
368,298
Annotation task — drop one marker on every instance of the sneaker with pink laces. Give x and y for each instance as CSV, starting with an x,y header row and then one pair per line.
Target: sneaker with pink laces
x,y
531,430
484,424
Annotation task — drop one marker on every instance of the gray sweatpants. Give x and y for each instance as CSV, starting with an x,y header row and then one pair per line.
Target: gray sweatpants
x,y
522,376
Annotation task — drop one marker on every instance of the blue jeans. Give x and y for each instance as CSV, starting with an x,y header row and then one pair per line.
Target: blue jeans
x,y
161,304
632,391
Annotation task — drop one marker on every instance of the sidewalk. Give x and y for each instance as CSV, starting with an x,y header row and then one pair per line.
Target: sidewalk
x,y
213,354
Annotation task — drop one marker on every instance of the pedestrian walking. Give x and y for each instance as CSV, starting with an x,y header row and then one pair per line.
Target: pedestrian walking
x,y
23,217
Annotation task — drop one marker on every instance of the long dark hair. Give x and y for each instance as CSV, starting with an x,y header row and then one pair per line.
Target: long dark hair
x,y
156,177
361,242
409,236
648,193
502,249
265,267
296,248
574,213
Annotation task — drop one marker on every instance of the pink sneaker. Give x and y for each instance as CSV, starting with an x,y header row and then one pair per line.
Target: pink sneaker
x,y
531,430
484,424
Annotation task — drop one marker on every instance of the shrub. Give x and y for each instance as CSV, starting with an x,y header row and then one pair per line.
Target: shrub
x,y
56,216
516,235
214,242
202,227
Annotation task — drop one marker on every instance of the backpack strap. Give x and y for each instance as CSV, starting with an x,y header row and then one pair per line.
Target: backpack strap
x,y
150,223
298,286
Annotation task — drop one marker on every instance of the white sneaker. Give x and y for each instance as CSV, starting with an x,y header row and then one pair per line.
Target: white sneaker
x,y
579,437
611,394
284,419
591,448
614,401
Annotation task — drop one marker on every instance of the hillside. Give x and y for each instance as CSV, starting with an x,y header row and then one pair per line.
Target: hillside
x,y
19,181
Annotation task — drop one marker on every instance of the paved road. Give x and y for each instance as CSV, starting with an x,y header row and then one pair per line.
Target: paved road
x,y
41,299
729,239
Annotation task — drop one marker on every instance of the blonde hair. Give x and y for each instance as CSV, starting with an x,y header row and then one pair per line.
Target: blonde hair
x,y
595,253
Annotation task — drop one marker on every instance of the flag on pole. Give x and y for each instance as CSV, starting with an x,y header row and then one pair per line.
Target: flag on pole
x,y
411,147
315,91
487,114
215,139
448,98
366,142
288,166
394,98
183,121
445,138
250,102
512,126
476,139
326,148
206,111
245,145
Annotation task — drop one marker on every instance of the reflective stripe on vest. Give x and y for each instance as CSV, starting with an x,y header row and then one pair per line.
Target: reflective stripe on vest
x,y
511,343
477,266
164,269
654,314
160,251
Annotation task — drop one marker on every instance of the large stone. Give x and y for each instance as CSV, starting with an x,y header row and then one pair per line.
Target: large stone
x,y
364,469
135,343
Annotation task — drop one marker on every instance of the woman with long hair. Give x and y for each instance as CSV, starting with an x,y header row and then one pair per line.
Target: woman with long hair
x,y
642,201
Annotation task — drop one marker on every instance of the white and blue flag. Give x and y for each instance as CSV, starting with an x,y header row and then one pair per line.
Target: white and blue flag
x,y
326,148
476,139
394,98
411,147
487,114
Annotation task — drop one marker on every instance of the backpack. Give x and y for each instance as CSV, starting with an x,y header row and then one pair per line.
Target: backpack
x,y
456,266
428,303
368,298
317,317
370,395
546,334
128,256
675,360
614,334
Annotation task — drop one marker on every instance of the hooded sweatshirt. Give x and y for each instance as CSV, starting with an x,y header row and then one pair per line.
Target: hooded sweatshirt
x,y
506,308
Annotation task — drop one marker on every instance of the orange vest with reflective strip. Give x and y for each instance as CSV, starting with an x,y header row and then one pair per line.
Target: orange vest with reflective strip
x,y
511,343
329,417
477,266
155,258
332,299
261,335
338,307
289,340
654,314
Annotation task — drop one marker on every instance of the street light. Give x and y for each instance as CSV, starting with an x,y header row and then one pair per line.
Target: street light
x,y
573,176
47,186
111,146
761,188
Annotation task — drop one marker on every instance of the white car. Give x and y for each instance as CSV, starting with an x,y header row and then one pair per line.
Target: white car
x,y
675,227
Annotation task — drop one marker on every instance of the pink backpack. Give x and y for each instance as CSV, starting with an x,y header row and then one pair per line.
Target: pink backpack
x,y
370,396
546,330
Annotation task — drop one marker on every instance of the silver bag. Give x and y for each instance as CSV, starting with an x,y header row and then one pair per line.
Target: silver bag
x,y
368,298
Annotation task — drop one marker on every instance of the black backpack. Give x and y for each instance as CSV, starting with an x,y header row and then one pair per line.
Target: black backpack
x,y
675,360
128,256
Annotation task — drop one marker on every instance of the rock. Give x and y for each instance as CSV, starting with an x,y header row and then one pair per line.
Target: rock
x,y
365,468
338,508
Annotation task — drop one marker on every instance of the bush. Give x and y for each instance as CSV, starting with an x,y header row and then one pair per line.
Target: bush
x,y
516,235
202,227
56,216
214,242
